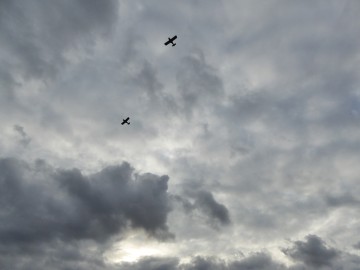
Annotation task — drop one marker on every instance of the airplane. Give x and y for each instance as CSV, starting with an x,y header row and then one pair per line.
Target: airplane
x,y
125,121
171,40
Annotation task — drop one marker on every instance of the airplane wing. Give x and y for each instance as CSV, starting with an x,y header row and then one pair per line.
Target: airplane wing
x,y
167,42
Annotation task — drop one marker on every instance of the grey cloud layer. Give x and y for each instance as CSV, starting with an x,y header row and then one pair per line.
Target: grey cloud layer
x,y
256,110
310,254
98,207
37,34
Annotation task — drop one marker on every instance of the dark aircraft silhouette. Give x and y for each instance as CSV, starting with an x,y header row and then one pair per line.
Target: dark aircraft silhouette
x,y
171,40
125,121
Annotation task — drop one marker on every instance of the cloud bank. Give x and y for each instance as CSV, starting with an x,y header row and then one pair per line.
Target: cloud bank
x,y
243,141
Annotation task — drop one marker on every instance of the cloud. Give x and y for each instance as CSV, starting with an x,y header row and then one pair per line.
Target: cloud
x,y
357,245
313,252
256,110
344,199
38,37
55,255
206,202
309,255
197,82
25,140
199,263
57,211
153,263
255,261
40,204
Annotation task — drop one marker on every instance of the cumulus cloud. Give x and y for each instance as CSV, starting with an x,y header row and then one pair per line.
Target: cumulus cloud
x,y
42,204
57,210
206,202
49,212
313,252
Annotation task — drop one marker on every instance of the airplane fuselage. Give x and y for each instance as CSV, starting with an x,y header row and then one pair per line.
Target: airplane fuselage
x,y
171,40
125,121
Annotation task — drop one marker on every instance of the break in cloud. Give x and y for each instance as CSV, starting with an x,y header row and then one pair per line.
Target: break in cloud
x,y
243,146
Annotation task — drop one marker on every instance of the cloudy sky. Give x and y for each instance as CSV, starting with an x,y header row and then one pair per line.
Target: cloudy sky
x,y
243,147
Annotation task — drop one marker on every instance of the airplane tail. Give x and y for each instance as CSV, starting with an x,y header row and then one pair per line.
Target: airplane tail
x,y
174,44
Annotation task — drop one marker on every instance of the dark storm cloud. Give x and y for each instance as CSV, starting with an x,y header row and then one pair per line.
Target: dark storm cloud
x,y
59,213
206,202
39,204
313,252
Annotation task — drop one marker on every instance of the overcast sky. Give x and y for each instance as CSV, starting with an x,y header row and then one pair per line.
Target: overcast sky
x,y
243,150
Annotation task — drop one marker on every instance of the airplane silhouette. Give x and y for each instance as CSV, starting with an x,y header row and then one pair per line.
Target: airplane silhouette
x,y
171,40
125,121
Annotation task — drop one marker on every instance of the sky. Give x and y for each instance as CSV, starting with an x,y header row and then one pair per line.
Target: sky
x,y
243,145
